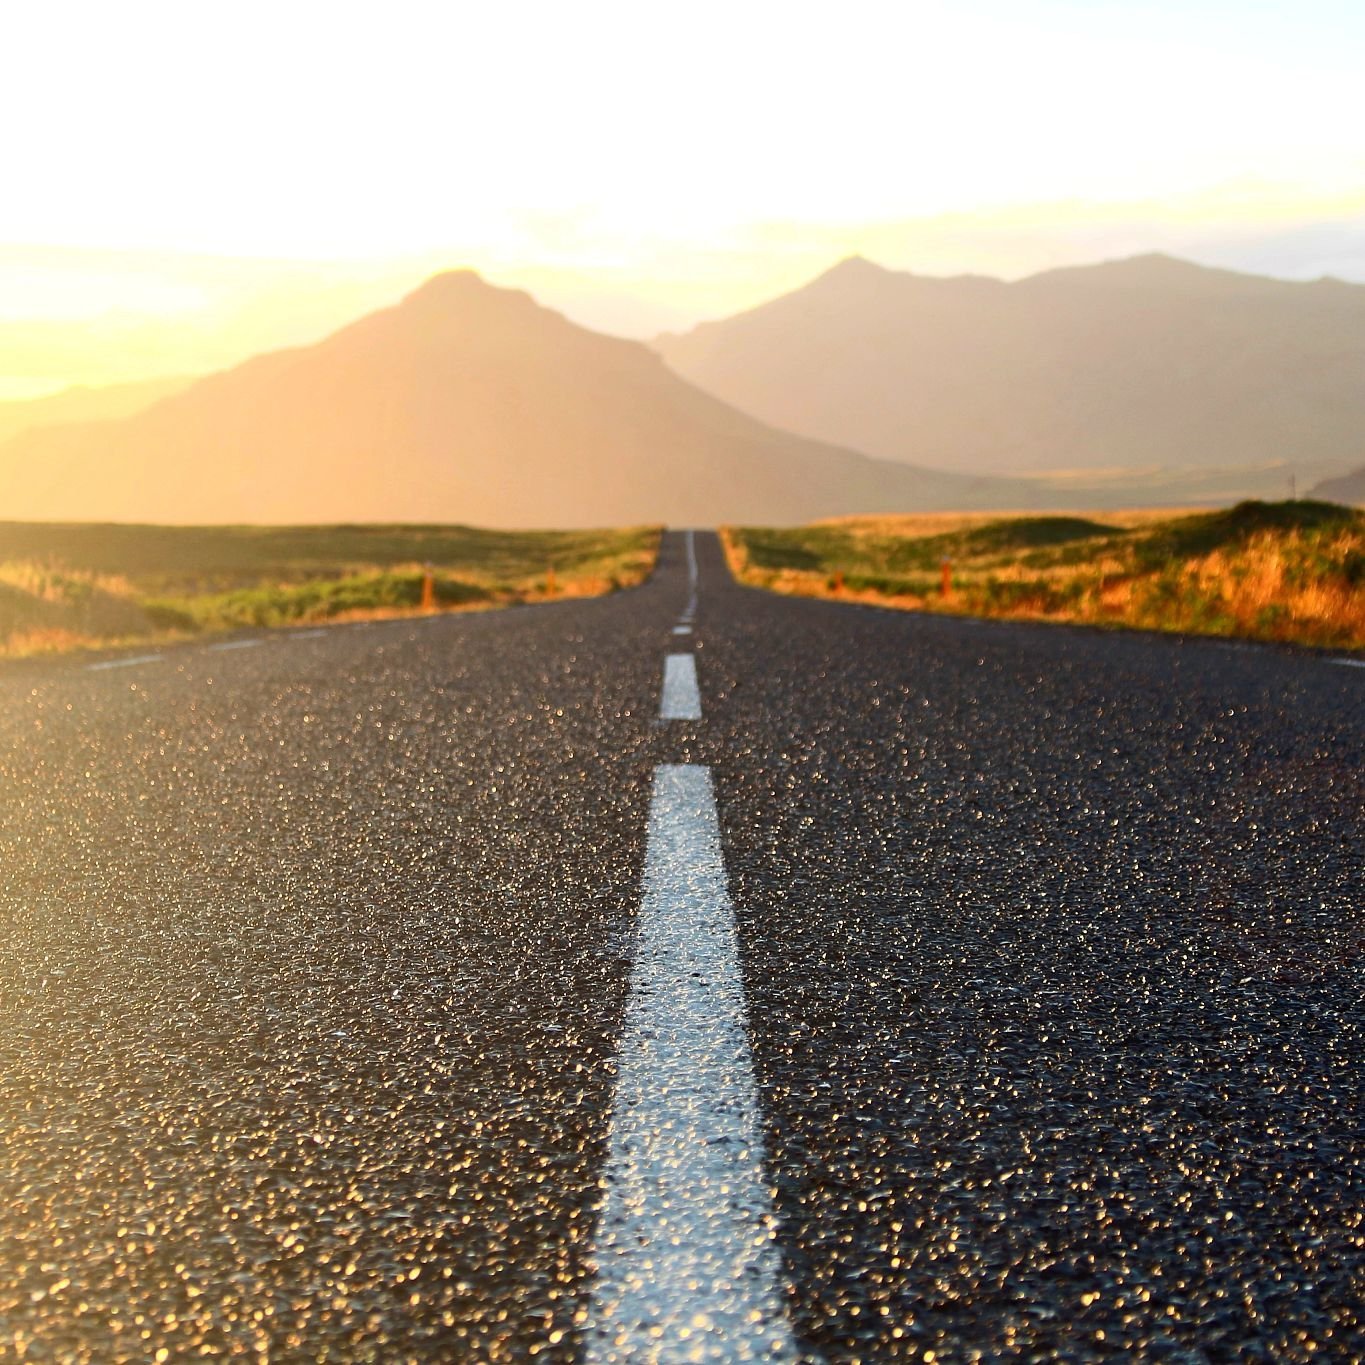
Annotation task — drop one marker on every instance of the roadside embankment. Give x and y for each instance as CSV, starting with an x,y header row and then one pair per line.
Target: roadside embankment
x,y
1290,571
93,586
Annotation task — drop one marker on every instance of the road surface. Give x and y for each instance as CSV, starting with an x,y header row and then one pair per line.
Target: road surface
x,y
854,986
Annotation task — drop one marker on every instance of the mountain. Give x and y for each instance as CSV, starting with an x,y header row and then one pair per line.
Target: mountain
x,y
462,403
1152,366
1349,488
84,404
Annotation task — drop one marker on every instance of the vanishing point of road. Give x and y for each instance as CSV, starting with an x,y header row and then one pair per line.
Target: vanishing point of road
x,y
690,974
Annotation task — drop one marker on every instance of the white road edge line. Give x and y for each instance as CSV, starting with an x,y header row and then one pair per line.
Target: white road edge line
x,y
306,634
681,700
1349,663
234,644
687,1266
123,663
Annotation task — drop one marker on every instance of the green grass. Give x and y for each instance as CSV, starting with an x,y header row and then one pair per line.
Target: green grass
x,y
191,557
65,586
1235,526
847,547
1289,571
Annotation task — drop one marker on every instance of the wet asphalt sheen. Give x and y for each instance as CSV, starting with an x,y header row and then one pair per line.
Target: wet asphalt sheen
x,y
315,957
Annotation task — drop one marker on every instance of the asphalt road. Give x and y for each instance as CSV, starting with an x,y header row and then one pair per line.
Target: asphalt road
x,y
317,952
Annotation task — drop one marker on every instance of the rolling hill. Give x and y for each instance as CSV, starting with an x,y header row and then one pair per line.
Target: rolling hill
x,y
463,403
1124,378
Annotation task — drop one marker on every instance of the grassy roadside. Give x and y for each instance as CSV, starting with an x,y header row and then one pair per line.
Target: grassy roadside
x,y
1288,571
83,586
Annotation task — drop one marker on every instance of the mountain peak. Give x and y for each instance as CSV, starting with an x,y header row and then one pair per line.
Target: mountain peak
x,y
1155,263
1158,260
1151,269
463,288
464,403
855,267
1128,364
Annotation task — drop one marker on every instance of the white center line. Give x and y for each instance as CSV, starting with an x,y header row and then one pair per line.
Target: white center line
x,y
687,1269
682,630
123,663
691,610
681,700
234,644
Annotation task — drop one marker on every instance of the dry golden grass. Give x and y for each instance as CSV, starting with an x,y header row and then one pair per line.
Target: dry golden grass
x,y
1204,573
25,643
185,581
942,523
44,609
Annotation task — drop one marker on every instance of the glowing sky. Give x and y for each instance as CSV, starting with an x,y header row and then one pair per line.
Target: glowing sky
x,y
206,179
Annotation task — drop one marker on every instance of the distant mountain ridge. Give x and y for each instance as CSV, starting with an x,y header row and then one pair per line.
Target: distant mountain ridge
x,y
1349,488
1151,364
463,403
83,403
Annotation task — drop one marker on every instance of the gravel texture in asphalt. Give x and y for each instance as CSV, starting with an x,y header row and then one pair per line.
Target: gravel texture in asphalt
x,y
315,959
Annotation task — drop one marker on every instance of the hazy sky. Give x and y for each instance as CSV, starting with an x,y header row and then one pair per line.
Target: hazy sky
x,y
219,176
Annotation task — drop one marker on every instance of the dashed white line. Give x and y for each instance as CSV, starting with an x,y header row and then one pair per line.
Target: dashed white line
x,y
682,630
692,577
687,1268
681,700
234,644
123,663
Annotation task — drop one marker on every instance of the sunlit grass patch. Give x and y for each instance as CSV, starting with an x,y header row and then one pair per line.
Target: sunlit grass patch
x,y
72,586
1292,572
44,608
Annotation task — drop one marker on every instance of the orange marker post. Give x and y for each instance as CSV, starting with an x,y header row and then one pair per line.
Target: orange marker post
x,y
945,586
838,580
428,590
550,581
